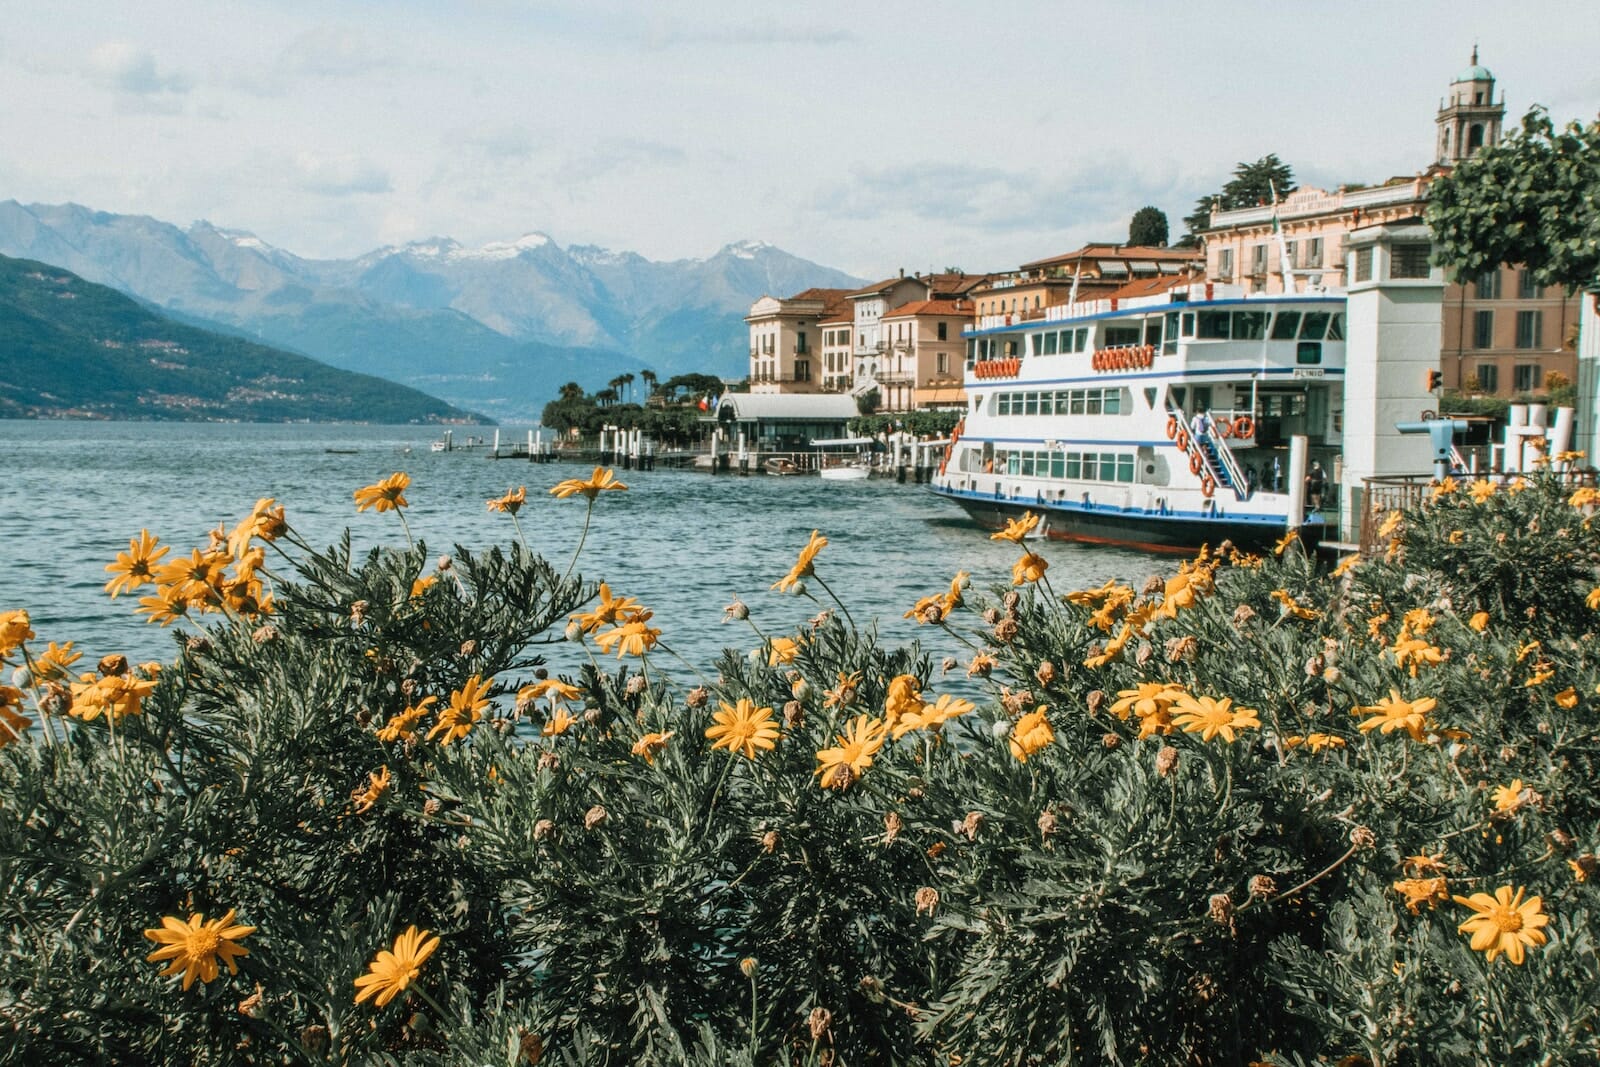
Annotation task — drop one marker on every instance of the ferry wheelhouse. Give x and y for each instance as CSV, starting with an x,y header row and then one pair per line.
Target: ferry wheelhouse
x,y
1086,414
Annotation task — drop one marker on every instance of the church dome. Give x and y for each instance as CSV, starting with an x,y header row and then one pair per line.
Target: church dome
x,y
1475,74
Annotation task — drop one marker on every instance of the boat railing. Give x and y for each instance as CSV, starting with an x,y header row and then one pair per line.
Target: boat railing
x,y
1222,455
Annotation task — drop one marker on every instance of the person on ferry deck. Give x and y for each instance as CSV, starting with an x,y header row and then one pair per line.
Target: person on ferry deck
x,y
1316,485
1277,475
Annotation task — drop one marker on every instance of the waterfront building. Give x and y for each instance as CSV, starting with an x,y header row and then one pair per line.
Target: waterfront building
x,y
1095,269
923,353
1501,335
870,303
838,348
782,422
786,338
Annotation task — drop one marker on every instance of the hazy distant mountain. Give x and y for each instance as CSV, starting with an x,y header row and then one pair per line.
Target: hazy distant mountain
x,y
494,328
70,348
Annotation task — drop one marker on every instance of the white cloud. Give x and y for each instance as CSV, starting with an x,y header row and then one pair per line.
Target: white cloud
x,y
127,68
340,175
332,52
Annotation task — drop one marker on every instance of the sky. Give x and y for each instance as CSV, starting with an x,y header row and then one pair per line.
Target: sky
x,y
862,136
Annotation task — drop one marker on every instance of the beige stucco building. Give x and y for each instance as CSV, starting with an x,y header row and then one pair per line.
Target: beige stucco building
x,y
786,340
923,356
1098,269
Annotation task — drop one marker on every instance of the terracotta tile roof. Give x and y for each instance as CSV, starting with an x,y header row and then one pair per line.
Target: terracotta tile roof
x,y
1151,286
1111,251
879,287
950,308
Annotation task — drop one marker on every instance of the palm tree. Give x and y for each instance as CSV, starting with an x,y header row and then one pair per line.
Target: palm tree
x,y
571,391
650,380
606,396
616,387
627,384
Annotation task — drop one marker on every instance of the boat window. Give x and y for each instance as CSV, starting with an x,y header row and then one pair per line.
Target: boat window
x,y
1057,465
1010,348
1080,339
972,349
1178,394
1113,402
1249,325
1149,398
1050,343
1002,403
1121,335
1188,324
1213,326
1336,328
1170,344
1152,332
1038,343
1125,468
1073,465
1025,464
1108,466
1091,466
1314,326
1092,402
1013,461
1062,400
1202,398
1077,402
1030,403
1309,352
1286,325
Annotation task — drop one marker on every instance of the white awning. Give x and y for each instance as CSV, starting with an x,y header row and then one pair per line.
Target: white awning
x,y
1111,266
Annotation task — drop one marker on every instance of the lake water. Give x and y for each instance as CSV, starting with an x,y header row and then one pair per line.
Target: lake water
x,y
683,542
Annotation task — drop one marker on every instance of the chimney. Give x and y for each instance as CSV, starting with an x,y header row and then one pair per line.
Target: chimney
x,y
902,272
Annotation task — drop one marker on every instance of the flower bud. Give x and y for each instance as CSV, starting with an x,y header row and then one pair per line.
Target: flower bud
x,y
531,1049
636,685
1166,760
797,589
1045,672
819,1020
1005,630
574,632
549,761
972,824
445,563
1363,837
1095,699
738,611
747,966
697,697
769,842
1220,908
927,900
543,829
21,678
113,665
872,986
948,664
468,647
1110,740
794,714
1242,614
199,646
892,825
1262,886
595,817
1047,823
431,806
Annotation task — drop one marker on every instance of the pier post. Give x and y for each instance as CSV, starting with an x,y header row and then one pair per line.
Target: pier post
x,y
496,452
1298,452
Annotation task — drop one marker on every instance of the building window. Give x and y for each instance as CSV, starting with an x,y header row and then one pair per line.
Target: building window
x,y
942,364
1314,252
1527,288
1525,377
1488,286
1258,259
1409,261
1225,265
1530,329
1364,264
802,370
1483,329
944,331
1488,378
800,343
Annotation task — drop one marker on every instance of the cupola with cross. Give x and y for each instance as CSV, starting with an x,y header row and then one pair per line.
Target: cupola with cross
x,y
1470,118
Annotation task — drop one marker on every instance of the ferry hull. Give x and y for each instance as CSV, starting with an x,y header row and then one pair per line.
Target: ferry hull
x,y
1104,525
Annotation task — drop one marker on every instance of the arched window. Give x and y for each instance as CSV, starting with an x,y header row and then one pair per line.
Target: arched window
x,y
1474,138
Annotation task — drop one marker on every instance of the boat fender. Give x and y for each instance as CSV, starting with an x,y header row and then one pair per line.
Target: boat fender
x,y
1182,440
1172,427
1195,463
1244,426
1207,486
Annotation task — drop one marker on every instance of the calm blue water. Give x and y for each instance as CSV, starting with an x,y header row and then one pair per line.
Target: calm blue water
x,y
682,542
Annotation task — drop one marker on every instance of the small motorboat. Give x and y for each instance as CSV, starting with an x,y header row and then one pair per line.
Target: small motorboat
x,y
851,471
780,466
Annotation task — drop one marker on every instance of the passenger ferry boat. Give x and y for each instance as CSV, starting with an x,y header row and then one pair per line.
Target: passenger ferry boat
x,y
1086,414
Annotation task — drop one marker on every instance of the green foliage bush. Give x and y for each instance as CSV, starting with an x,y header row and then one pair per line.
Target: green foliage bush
x,y
607,887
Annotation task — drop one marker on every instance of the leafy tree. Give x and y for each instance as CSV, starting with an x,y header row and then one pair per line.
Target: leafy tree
x,y
1533,199
693,384
867,403
1251,184
650,380
1148,228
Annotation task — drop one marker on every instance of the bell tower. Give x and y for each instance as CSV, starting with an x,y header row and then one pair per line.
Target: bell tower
x,y
1469,119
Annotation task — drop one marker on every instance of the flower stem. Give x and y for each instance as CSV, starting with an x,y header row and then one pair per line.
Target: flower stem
x,y
835,599
520,537
406,526
584,536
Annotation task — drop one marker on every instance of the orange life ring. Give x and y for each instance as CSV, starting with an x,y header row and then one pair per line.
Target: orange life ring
x,y
1182,440
1172,427
1207,486
1244,426
1225,429
1149,354
1195,463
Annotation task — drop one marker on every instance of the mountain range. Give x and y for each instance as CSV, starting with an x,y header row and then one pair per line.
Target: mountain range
x,y
495,328
73,349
